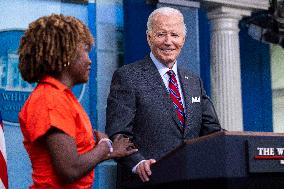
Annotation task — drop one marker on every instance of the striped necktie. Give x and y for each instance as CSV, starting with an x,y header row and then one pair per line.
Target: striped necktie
x,y
175,96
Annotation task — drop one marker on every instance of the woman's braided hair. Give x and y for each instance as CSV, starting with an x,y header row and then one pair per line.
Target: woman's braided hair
x,y
49,44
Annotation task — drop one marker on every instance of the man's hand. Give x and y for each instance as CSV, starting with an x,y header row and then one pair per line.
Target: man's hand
x,y
144,169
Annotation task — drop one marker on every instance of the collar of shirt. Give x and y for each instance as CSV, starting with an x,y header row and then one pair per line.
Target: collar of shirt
x,y
54,82
162,68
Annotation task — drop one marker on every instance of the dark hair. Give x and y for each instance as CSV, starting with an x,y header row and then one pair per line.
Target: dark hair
x,y
49,44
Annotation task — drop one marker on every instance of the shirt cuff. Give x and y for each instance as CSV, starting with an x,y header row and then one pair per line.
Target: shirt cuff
x,y
135,167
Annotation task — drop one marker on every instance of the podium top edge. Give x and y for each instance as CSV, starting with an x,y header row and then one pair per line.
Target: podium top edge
x,y
251,133
235,133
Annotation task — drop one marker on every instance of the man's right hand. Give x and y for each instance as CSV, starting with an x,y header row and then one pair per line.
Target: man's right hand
x,y
144,169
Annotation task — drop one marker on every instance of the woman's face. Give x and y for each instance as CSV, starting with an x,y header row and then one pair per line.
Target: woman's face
x,y
79,69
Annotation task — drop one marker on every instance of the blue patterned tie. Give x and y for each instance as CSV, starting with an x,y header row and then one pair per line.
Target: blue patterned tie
x,y
175,96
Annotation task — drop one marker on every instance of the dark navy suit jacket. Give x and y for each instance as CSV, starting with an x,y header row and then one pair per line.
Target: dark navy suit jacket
x,y
139,106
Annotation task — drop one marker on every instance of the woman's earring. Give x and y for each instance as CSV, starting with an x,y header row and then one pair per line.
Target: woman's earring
x,y
65,65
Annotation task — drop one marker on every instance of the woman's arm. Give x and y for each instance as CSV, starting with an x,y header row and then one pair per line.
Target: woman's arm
x,y
71,166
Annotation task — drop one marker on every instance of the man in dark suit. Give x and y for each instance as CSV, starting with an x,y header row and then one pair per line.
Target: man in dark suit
x,y
154,102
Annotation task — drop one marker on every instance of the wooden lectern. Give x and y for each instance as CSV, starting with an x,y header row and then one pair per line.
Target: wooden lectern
x,y
233,160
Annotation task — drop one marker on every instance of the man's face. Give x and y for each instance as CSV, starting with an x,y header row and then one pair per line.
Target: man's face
x,y
166,38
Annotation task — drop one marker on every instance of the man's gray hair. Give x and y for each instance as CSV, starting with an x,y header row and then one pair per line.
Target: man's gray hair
x,y
168,11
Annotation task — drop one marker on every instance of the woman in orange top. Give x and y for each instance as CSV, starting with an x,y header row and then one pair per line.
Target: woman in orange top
x,y
57,132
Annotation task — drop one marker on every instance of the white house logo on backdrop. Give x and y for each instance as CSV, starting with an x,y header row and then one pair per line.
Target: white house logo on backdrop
x,y
13,89
10,77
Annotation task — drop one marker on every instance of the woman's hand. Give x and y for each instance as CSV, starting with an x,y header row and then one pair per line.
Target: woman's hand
x,y
122,146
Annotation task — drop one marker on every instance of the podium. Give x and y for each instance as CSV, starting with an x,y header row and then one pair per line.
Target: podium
x,y
233,160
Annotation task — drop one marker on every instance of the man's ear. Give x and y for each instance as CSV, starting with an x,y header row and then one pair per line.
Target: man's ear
x,y
148,38
184,37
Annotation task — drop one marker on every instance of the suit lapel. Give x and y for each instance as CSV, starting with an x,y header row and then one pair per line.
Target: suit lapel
x,y
186,83
154,80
